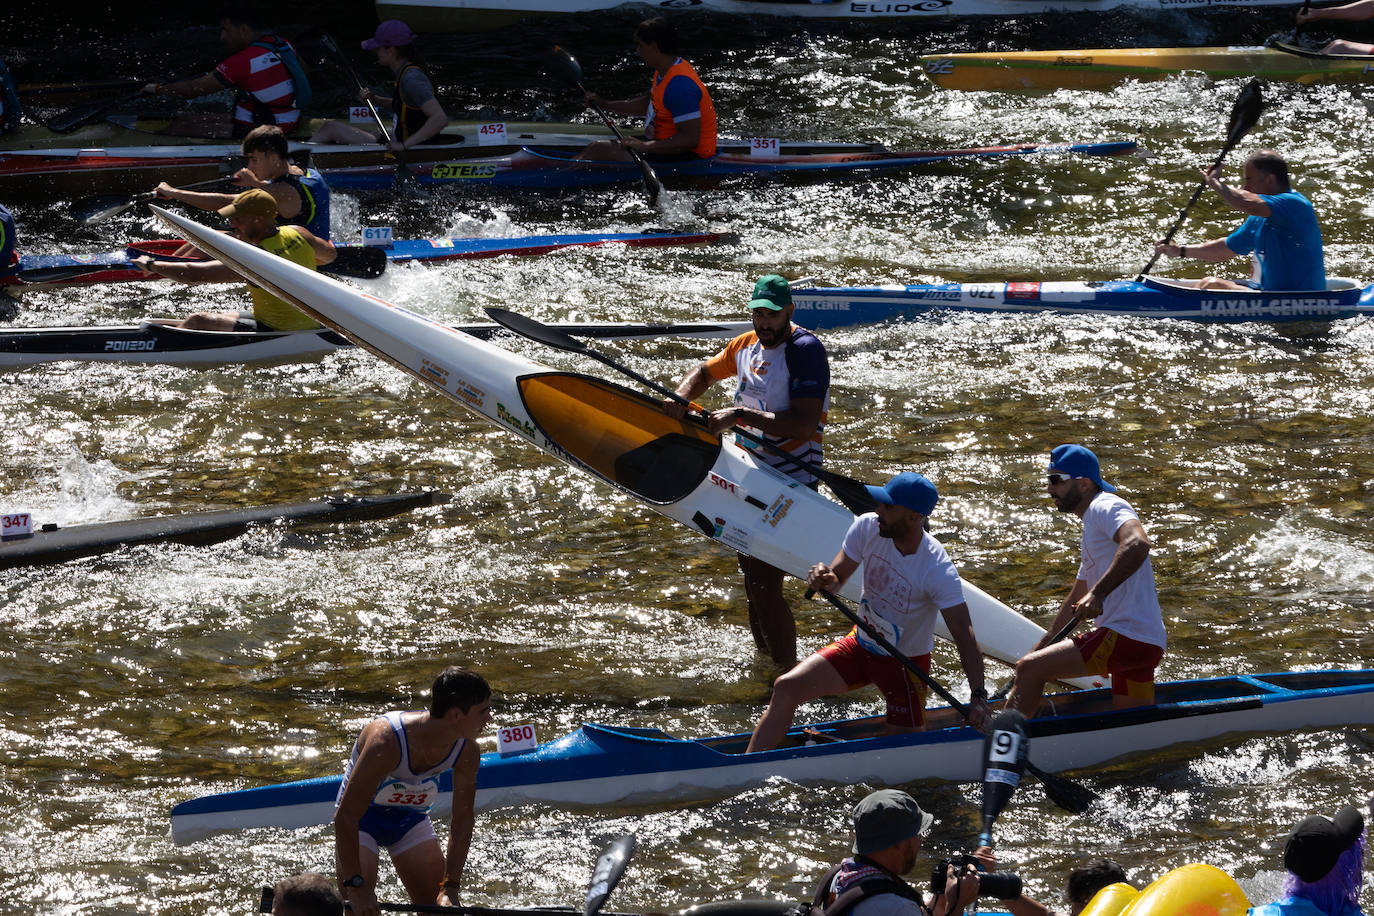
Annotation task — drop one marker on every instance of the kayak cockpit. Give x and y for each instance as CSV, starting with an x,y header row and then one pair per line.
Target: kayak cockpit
x,y
620,435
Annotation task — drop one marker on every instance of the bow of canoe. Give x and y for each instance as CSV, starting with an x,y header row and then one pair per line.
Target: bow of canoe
x,y
1103,68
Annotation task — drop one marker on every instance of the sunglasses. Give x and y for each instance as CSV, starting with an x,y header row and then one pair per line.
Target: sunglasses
x,y
1056,479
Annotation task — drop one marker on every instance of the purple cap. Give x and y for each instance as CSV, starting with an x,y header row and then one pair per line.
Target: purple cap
x,y
390,34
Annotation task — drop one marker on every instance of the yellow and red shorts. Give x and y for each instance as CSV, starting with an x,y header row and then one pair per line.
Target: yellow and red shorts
x,y
1130,662
903,691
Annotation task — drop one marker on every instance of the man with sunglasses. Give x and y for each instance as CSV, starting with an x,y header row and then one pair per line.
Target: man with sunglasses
x,y
1115,587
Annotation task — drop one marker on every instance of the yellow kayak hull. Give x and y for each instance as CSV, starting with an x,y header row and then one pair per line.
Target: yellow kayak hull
x,y
1102,68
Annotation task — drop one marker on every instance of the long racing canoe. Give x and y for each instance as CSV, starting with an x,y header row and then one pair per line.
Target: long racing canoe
x,y
45,271
614,434
838,306
552,168
50,544
1103,68
151,342
474,15
600,765
110,159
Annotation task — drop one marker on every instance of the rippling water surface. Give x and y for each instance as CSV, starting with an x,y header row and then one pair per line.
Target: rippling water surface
x,y
150,676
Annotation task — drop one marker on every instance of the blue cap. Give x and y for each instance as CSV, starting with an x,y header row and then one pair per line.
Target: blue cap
x,y
908,490
1077,461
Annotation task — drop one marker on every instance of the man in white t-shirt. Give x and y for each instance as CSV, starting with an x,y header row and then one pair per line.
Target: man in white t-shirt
x,y
908,578
1115,587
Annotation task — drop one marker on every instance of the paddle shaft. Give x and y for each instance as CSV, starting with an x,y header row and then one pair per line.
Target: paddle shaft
x,y
401,164
1063,634
1048,779
143,197
1244,114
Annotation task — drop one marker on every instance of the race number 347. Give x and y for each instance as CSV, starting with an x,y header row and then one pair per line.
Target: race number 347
x,y
15,525
515,739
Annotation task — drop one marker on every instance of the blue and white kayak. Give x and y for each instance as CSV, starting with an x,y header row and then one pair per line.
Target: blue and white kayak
x,y
838,306
558,168
601,765
46,271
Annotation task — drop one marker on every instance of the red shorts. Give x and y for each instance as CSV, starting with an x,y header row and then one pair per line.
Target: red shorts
x,y
903,691
1131,663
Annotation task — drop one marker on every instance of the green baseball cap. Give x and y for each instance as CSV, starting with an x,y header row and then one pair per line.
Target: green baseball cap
x,y
771,292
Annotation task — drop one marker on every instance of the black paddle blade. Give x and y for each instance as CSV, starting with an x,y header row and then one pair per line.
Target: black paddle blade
x,y
534,330
69,120
564,66
1067,794
363,263
609,868
1005,754
652,186
1245,114
853,493
98,209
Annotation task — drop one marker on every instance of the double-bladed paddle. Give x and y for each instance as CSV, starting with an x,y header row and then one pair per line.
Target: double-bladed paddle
x,y
106,210
403,173
363,263
1006,750
567,67
1065,793
1245,114
607,874
853,493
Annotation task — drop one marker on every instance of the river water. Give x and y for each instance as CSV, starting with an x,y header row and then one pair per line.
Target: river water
x,y
150,676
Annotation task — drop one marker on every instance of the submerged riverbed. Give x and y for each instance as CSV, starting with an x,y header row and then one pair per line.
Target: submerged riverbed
x,y
137,680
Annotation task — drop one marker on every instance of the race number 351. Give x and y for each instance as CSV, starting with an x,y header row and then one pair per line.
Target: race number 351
x,y
765,147
515,738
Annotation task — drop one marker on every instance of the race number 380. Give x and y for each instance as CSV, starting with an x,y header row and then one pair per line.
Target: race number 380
x,y
515,739
16,525
1006,747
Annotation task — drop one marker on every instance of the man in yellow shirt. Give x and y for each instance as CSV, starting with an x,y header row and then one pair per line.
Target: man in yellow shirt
x,y
253,218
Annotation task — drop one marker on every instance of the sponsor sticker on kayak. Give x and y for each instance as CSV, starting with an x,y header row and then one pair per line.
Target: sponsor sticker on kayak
x,y
461,171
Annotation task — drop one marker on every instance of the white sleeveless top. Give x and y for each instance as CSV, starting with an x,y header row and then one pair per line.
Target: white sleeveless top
x,y
402,787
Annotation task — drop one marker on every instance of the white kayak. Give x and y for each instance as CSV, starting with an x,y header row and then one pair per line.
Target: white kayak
x,y
619,436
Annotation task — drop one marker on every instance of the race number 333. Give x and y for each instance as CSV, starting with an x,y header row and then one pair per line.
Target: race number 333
x,y
515,738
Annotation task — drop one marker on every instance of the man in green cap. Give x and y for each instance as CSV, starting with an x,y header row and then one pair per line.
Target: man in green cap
x,y
782,394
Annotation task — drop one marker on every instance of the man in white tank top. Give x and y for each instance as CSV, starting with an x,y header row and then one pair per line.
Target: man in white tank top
x,y
392,781
1115,588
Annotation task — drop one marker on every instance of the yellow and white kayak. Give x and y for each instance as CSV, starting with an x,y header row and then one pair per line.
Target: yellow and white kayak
x,y
1102,68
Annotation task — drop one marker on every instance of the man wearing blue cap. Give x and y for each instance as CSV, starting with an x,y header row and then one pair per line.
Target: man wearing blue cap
x,y
1115,586
908,578
782,394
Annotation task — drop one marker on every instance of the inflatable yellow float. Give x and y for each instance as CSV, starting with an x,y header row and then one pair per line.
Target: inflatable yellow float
x,y
1191,890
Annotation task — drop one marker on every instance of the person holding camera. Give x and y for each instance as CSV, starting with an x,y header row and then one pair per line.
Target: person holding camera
x,y
888,828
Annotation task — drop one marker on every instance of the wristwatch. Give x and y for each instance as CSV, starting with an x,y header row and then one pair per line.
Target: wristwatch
x,y
355,881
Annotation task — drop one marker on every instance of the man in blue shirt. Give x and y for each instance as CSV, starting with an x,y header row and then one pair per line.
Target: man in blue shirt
x,y
1281,232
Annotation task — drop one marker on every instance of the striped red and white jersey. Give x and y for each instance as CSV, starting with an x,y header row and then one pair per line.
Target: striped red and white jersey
x,y
266,94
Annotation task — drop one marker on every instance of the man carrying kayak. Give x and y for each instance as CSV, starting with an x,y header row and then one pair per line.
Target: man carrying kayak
x,y
908,579
302,196
392,781
1115,587
418,116
264,70
1281,231
782,393
680,122
1350,12
253,217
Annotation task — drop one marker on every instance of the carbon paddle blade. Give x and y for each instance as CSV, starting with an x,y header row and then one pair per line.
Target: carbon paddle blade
x,y
609,869
1006,750
1245,114
97,211
1067,794
564,66
361,263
